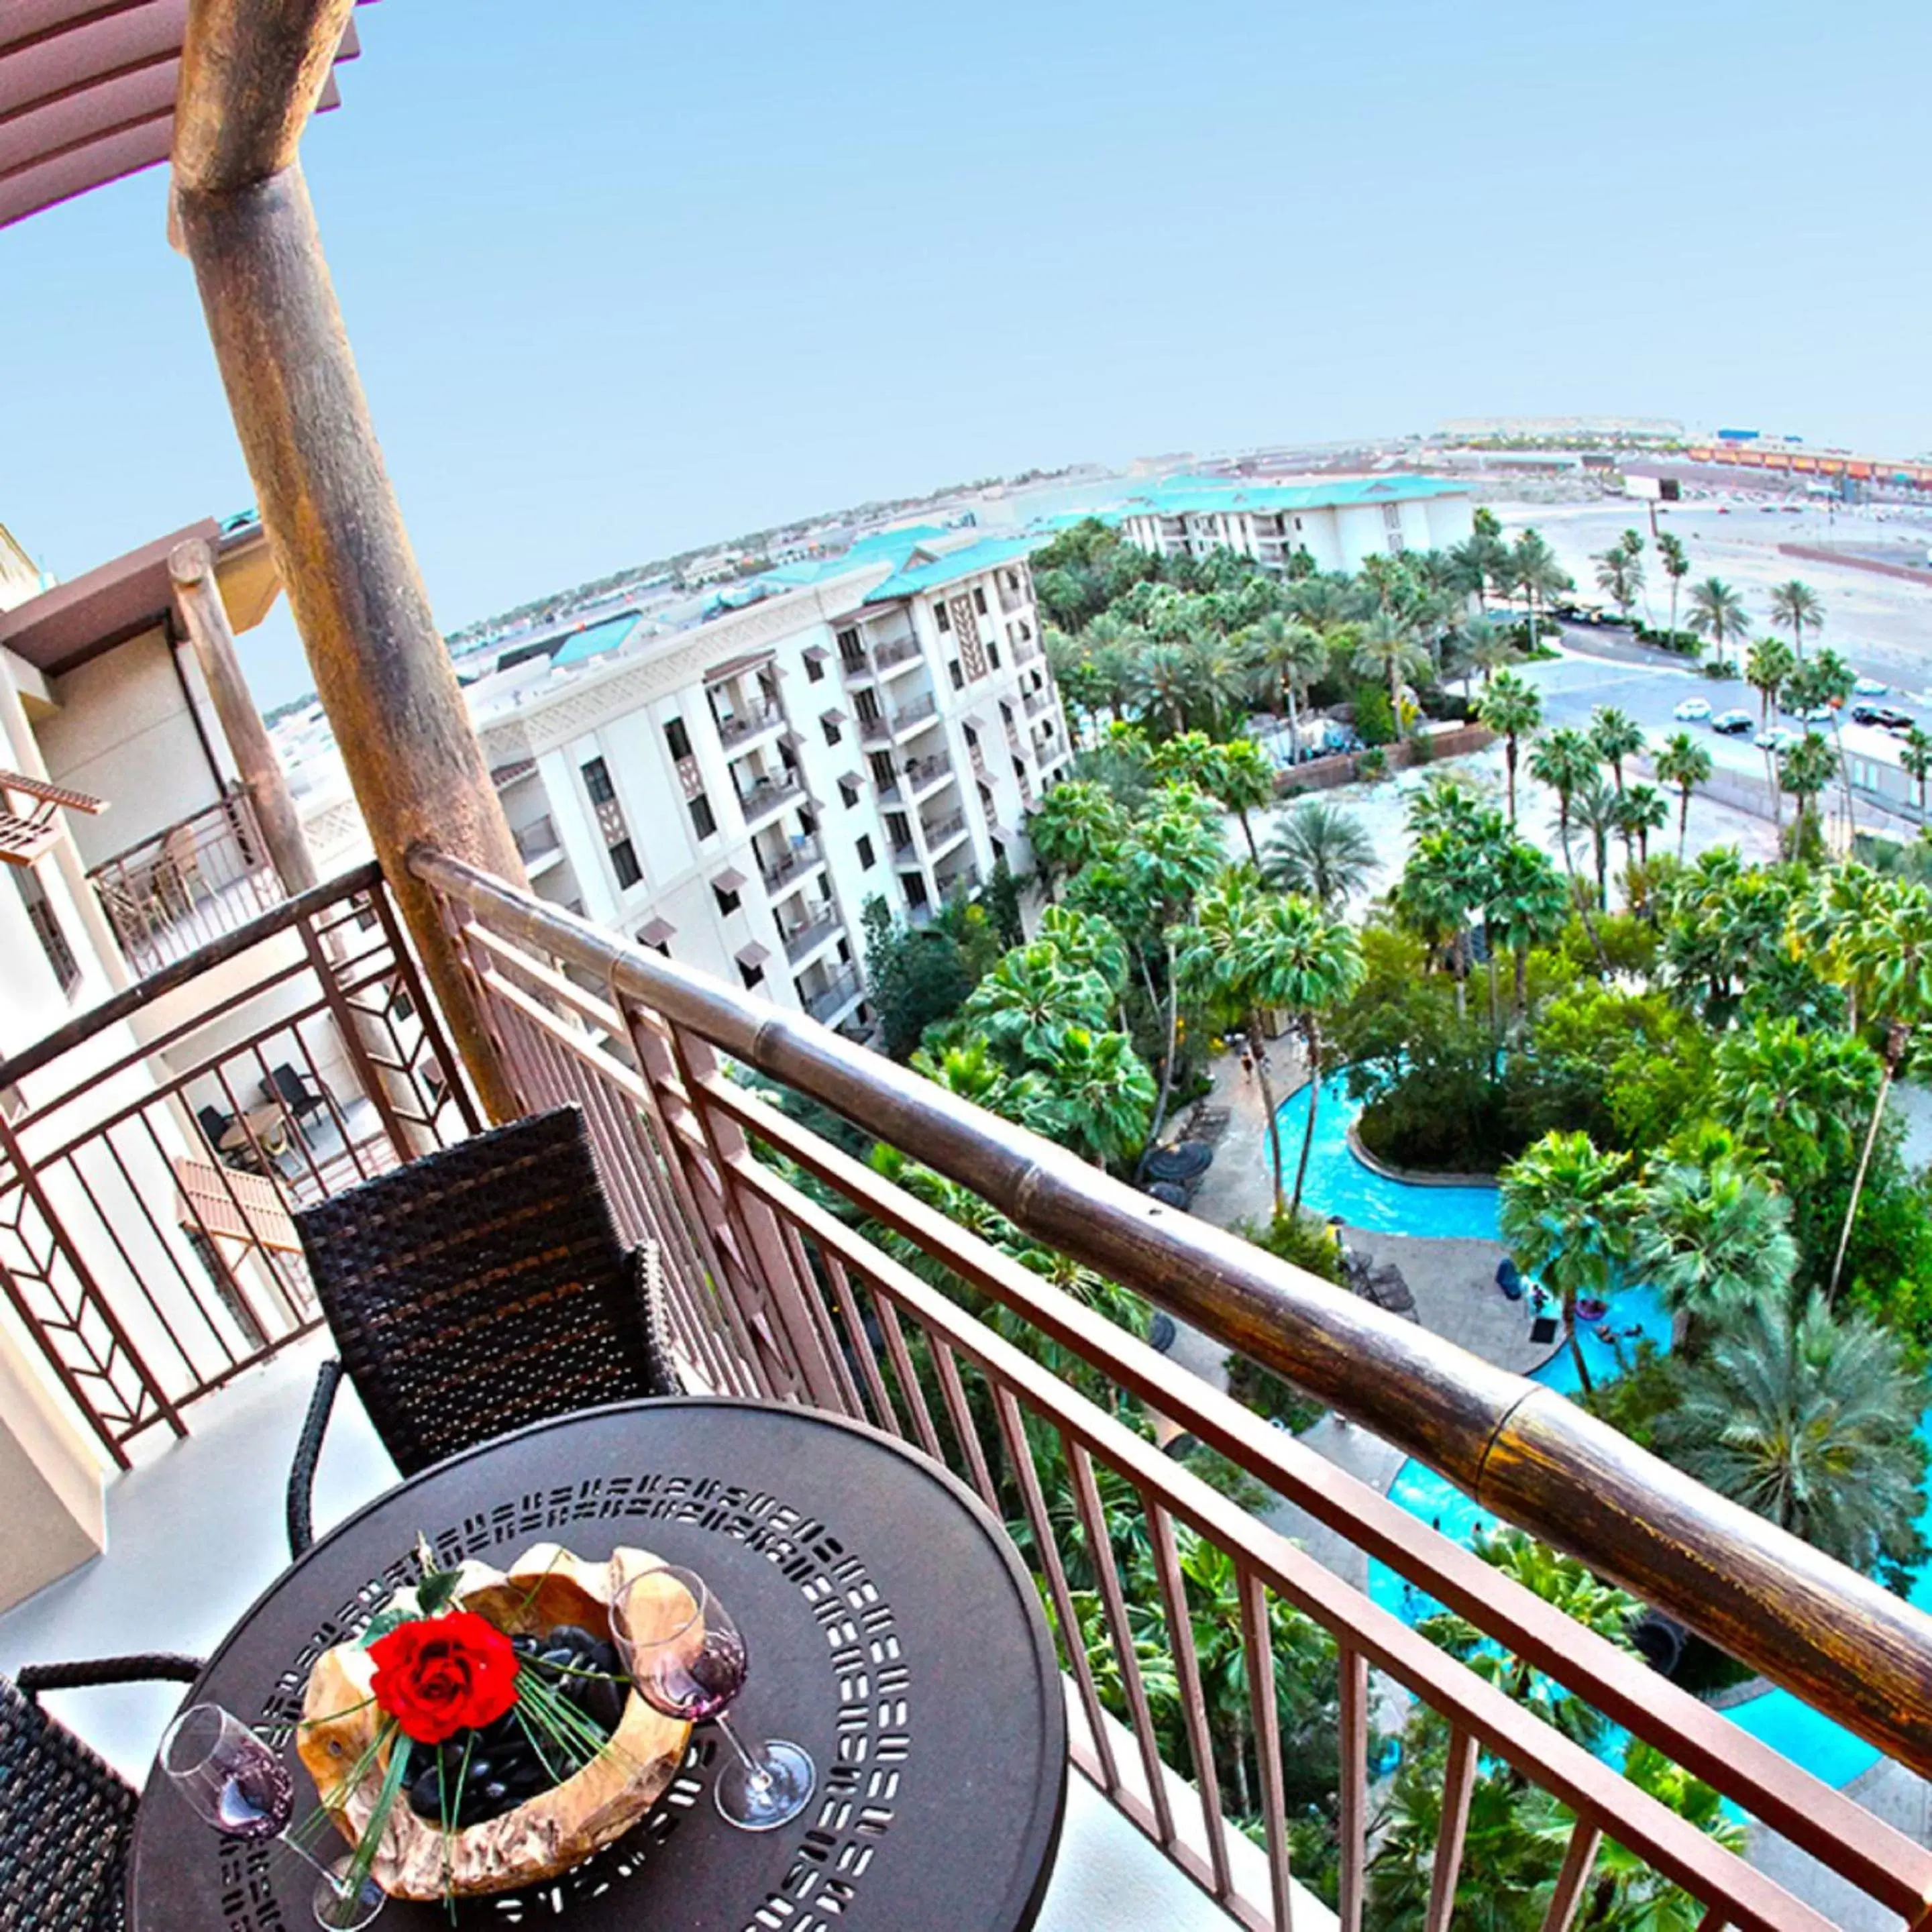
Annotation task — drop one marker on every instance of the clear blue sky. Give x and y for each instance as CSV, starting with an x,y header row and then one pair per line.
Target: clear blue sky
x,y
624,277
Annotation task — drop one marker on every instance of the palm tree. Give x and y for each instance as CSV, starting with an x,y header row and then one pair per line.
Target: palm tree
x,y
1712,1239
1291,656
1385,646
1620,574
1524,904
1024,1006
1566,1214
1218,674
1641,811
1769,664
1614,735
1488,650
1086,943
1241,775
1717,612
1828,681
1676,566
1595,808
1434,898
1103,1094
1322,851
1916,755
1804,769
1535,571
1808,1419
1512,709
1795,1094
1793,605
1685,763
1077,821
1162,681
1888,962
1563,760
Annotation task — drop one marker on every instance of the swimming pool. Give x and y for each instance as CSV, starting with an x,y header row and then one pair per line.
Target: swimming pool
x,y
1339,1183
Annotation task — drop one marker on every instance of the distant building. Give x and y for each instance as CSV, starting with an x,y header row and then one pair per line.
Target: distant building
x,y
733,792
1337,521
1562,429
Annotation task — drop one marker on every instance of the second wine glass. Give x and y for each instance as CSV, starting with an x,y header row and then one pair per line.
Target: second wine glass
x,y
687,1659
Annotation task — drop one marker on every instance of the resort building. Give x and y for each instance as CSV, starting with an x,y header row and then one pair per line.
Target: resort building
x,y
732,792
1338,523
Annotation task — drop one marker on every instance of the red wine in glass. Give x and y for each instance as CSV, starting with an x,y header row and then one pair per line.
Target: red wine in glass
x,y
235,1781
689,1659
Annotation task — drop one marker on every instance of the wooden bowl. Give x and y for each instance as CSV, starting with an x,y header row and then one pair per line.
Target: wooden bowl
x,y
547,1834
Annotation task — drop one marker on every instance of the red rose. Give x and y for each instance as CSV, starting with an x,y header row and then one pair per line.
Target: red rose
x,y
438,1676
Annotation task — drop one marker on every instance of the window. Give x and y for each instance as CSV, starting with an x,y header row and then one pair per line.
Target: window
x,y
850,648
940,617
702,817
806,823
844,952
597,783
677,738
972,736
832,733
46,922
751,975
1019,770
993,654
814,670
727,900
848,792
624,863
957,676
400,1007
867,857
979,598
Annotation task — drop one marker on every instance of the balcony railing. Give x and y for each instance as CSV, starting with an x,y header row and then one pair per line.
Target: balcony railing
x,y
895,651
743,724
538,839
865,1299
801,940
794,865
836,996
146,1190
774,1295
203,876
923,774
914,711
1037,701
942,831
758,802
1027,649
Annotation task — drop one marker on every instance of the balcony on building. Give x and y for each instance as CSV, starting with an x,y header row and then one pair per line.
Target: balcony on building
x,y
785,865
1038,701
829,995
766,786
1012,590
942,834
811,928
537,844
743,710
923,776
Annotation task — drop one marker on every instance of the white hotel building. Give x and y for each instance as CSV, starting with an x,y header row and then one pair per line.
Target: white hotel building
x,y
734,791
1338,521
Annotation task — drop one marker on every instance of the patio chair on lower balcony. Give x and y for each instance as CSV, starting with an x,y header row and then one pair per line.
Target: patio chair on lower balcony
x,y
475,1291
66,1816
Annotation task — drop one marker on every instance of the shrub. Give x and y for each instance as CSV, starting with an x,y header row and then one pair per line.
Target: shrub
x,y
1372,765
1374,717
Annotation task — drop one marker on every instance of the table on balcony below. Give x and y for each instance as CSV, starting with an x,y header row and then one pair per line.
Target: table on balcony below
x,y
892,1632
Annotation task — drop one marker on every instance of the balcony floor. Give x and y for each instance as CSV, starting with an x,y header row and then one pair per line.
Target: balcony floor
x,y
162,1585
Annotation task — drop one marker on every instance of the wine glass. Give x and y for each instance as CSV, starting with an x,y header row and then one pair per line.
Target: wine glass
x,y
233,1780
688,1660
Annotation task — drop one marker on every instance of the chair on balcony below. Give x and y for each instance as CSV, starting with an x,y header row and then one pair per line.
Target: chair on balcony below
x,y
286,1084
474,1290
66,1817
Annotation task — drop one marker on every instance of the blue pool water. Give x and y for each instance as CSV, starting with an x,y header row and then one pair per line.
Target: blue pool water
x,y
1338,1182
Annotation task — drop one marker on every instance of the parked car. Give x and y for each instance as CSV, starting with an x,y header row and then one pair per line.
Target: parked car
x,y
1888,715
1819,714
1732,723
1779,738
1692,710
1869,687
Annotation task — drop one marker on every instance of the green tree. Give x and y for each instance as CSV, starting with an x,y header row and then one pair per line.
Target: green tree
x,y
917,977
1614,735
1566,1215
1486,648
1676,563
1717,612
1535,571
1078,821
1620,575
1086,944
1685,763
1713,1237
1797,1096
1826,683
1887,967
1524,904
1512,709
1002,904
1808,1420
1290,656
1242,778
1795,605
1916,755
1597,810
1025,1005
1565,761
1386,645
1640,810
1102,1094
1769,665
1804,769
1321,850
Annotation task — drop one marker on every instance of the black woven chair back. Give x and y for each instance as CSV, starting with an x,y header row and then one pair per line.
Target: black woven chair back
x,y
65,1819
481,1288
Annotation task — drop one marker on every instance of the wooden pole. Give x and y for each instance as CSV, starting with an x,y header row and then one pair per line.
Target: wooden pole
x,y
204,618
251,69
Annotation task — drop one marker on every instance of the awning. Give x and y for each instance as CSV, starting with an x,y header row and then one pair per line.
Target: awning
x,y
753,955
816,652
730,879
834,716
791,740
656,931
973,719
854,779
732,666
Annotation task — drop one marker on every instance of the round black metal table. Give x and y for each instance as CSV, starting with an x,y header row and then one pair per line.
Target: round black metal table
x,y
893,1631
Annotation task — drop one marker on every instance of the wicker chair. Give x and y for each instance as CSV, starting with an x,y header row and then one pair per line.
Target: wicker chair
x,y
65,1815
474,1290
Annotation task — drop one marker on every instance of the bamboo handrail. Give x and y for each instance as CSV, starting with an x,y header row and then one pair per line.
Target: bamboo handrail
x,y
1848,1647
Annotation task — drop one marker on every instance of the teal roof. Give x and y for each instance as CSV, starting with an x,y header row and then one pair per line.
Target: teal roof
x,y
929,574
609,635
1199,496
889,547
